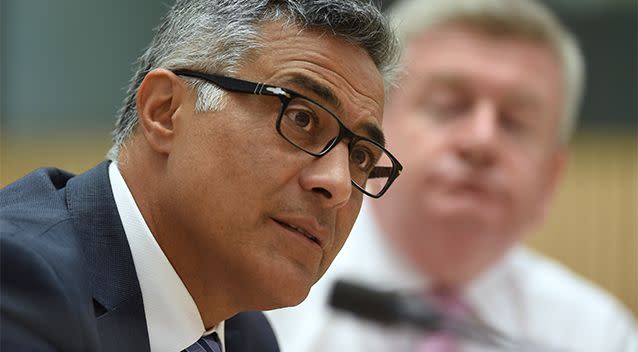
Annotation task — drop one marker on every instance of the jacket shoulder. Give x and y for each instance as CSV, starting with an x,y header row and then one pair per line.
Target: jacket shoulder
x,y
46,303
34,203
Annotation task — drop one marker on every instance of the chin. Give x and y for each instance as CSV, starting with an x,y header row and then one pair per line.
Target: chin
x,y
273,280
283,297
280,291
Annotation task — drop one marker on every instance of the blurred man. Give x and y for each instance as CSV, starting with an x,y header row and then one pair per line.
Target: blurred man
x,y
480,119
239,165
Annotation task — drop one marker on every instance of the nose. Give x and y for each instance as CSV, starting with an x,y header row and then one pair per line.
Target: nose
x,y
478,135
328,177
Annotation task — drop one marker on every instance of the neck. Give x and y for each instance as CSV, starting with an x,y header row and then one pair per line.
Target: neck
x,y
145,176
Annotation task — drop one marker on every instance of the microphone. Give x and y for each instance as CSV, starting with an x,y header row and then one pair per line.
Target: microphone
x,y
389,308
394,308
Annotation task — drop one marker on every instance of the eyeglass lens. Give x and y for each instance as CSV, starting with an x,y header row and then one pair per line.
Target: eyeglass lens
x,y
314,129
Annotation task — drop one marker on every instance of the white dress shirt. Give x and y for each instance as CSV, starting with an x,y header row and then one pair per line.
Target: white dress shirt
x,y
525,295
172,318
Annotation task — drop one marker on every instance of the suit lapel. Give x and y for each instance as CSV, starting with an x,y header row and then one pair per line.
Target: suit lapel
x,y
110,267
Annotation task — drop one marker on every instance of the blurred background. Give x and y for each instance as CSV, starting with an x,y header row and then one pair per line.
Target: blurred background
x,y
64,66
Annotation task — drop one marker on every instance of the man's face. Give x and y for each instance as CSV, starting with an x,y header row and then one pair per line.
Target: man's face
x,y
474,122
239,192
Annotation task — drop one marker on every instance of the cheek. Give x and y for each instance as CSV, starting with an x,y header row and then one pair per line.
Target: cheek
x,y
216,166
418,147
345,220
525,179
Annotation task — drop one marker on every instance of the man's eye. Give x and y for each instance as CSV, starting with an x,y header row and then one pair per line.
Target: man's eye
x,y
446,109
446,103
362,158
516,125
301,119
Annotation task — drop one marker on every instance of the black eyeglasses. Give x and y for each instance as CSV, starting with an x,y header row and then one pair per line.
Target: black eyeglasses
x,y
316,130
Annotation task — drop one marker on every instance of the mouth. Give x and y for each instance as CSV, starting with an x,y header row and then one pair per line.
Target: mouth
x,y
301,231
472,189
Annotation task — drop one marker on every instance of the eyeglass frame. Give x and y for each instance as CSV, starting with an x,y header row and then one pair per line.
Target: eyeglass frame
x,y
286,95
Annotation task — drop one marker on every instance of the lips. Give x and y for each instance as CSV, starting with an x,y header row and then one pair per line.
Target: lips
x,y
466,183
471,188
301,229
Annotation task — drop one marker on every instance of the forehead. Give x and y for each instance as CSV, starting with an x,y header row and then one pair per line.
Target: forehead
x,y
335,73
517,66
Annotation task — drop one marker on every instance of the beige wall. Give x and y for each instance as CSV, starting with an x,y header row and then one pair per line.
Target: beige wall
x,y
592,228
593,224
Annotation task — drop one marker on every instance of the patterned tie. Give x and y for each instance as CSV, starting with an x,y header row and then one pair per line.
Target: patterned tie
x,y
449,304
208,343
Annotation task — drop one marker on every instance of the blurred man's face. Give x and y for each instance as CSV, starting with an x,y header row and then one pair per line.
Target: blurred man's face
x,y
245,200
474,122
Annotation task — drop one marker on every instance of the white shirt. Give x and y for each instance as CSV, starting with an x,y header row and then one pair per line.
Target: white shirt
x,y
525,296
172,318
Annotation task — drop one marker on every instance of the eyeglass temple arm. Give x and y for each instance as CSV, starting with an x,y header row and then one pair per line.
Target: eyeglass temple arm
x,y
234,84
381,171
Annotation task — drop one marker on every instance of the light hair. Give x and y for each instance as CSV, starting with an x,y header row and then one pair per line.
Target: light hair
x,y
214,36
525,19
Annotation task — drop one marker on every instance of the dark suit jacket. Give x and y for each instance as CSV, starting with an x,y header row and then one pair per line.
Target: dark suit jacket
x,y
68,282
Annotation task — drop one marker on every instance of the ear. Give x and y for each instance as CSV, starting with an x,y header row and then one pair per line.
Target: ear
x,y
158,100
555,169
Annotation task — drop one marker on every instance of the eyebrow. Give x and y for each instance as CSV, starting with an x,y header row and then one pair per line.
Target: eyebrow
x,y
518,97
373,131
447,79
319,89
524,99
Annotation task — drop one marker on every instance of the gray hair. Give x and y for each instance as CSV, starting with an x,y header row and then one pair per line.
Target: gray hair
x,y
526,19
215,35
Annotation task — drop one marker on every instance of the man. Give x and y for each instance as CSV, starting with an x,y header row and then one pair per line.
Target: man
x,y
480,120
239,164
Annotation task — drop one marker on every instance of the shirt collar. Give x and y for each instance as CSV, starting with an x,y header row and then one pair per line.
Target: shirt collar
x,y
172,318
495,295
